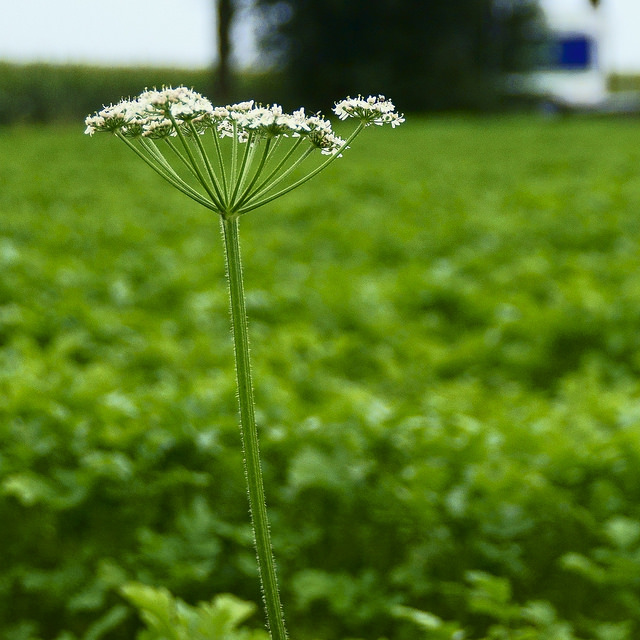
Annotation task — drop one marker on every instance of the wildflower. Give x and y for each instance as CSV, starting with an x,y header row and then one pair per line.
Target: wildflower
x,y
168,129
181,104
321,136
111,118
236,181
372,110
156,128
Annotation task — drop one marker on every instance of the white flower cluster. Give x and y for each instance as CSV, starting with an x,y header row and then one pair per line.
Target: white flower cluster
x,y
372,110
232,182
157,114
152,114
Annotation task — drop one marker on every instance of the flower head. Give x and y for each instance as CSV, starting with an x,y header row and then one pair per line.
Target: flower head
x,y
153,114
112,118
372,110
233,181
181,104
320,134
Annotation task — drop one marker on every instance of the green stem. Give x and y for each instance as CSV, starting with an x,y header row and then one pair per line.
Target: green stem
x,y
207,163
223,173
194,162
252,204
265,155
249,432
182,159
259,193
246,162
170,176
234,156
268,180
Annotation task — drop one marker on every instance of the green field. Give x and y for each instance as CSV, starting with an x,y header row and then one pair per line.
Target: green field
x,y
446,346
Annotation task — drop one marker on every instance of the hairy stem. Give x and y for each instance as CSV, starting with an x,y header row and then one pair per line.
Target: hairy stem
x,y
249,432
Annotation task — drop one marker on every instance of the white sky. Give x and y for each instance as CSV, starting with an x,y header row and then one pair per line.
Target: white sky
x,y
182,32
114,32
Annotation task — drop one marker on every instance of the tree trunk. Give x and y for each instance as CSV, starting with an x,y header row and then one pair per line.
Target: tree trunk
x,y
224,82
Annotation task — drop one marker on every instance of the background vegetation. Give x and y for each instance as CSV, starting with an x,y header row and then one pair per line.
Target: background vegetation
x,y
427,54
446,348
36,93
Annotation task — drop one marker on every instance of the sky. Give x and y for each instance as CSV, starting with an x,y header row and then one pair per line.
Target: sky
x,y
114,32
127,32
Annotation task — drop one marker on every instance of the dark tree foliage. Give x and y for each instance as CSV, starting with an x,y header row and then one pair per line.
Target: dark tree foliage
x,y
426,54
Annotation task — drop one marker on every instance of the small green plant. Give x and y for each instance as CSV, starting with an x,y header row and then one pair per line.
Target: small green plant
x,y
169,618
233,160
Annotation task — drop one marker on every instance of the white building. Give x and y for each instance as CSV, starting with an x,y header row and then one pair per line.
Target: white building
x,y
591,43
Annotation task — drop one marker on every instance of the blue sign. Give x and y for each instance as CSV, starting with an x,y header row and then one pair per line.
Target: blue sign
x,y
574,52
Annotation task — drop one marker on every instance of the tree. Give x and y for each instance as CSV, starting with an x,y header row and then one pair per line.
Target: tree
x,y
426,54
225,13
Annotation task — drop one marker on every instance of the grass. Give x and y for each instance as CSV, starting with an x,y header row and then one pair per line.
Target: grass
x,y
444,337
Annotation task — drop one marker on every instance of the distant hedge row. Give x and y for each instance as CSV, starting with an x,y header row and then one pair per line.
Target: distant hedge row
x,y
48,93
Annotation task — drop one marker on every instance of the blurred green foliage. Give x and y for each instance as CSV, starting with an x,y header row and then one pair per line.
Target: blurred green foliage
x,y
446,354
169,618
53,93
